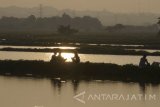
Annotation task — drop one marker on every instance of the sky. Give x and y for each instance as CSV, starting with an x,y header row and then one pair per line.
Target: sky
x,y
123,6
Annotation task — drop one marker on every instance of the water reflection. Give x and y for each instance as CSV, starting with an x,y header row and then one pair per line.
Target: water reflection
x,y
68,56
107,87
142,87
95,58
75,84
56,92
57,84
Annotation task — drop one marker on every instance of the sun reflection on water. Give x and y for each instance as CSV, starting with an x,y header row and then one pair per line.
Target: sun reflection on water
x,y
68,56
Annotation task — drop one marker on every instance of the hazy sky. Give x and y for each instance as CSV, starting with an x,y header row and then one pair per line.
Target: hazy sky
x,y
110,5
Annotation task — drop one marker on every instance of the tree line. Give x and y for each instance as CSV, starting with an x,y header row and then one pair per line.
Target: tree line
x,y
85,23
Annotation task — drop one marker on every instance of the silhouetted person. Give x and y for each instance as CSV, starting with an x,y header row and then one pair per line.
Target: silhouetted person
x,y
143,62
57,59
60,59
54,58
76,58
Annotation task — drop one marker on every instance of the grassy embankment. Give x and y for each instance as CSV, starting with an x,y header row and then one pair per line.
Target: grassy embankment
x,y
81,71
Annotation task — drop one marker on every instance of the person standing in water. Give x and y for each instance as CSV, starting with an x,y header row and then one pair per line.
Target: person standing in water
x,y
144,62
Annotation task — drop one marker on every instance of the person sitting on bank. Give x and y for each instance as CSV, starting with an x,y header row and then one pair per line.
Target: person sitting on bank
x,y
144,62
76,58
60,59
57,59
54,58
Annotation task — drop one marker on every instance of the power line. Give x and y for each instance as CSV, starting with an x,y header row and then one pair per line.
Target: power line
x,y
41,11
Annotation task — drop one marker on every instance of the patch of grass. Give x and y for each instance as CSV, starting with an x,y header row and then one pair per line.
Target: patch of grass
x,y
81,71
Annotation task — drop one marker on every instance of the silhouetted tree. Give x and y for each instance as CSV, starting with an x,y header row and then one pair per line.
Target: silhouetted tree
x,y
31,18
51,23
66,30
117,27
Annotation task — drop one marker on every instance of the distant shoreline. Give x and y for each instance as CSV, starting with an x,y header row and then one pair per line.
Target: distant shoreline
x,y
88,50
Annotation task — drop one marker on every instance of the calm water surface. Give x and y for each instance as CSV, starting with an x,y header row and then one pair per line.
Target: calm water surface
x,y
56,92
29,92
117,59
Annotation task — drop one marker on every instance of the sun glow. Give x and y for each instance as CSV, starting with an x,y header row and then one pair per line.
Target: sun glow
x,y
68,56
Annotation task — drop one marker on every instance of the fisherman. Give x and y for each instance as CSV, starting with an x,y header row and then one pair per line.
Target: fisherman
x,y
144,62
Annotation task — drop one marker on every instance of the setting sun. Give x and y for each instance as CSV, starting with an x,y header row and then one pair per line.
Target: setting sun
x,y
68,56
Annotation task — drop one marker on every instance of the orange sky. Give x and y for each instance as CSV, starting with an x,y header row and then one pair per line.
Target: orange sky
x,y
110,5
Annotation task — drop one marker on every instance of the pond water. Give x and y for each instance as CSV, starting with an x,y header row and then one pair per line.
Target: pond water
x,y
96,58
56,92
67,47
29,92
